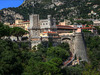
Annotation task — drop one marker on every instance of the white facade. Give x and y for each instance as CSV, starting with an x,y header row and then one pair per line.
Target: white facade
x,y
44,23
96,23
48,24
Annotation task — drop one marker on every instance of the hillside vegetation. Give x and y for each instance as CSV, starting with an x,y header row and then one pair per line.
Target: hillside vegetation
x,y
70,9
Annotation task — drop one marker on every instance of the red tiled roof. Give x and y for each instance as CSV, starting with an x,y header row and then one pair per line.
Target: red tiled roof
x,y
88,25
45,32
63,26
50,32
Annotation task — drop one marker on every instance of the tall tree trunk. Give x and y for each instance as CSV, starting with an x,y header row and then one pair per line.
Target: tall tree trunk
x,y
17,38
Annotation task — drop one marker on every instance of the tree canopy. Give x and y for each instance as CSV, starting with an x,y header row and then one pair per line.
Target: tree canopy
x,y
5,30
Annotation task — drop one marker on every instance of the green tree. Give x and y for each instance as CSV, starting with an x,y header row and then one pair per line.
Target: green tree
x,y
13,57
17,31
73,70
57,52
84,22
89,70
93,50
7,31
64,46
9,58
43,68
4,30
98,29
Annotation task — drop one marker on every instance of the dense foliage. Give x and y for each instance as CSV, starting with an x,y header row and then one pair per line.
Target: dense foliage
x,y
5,30
93,50
84,22
98,29
16,58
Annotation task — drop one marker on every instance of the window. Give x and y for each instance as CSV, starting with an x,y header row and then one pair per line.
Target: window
x,y
43,23
46,23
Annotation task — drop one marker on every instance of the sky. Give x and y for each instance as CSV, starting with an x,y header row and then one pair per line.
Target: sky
x,y
10,3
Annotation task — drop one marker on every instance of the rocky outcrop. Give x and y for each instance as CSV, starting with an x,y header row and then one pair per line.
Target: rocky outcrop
x,y
60,9
9,16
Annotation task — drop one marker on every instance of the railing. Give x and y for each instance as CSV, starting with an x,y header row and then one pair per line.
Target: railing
x,y
67,62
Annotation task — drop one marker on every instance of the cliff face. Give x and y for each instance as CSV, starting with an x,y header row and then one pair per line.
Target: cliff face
x,y
60,9
9,16
21,12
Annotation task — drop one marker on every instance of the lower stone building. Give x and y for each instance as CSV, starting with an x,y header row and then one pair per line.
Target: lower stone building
x,y
51,37
21,23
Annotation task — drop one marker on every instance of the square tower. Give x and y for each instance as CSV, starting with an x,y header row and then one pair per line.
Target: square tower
x,y
34,27
34,30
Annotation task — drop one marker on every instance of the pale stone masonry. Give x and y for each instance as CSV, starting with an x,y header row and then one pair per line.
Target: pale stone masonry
x,y
37,27
34,30
79,47
43,30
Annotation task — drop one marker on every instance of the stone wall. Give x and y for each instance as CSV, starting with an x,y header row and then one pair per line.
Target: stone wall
x,y
79,47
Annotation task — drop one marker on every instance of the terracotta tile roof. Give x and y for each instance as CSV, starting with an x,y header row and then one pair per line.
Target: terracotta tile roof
x,y
63,26
66,28
88,25
50,32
